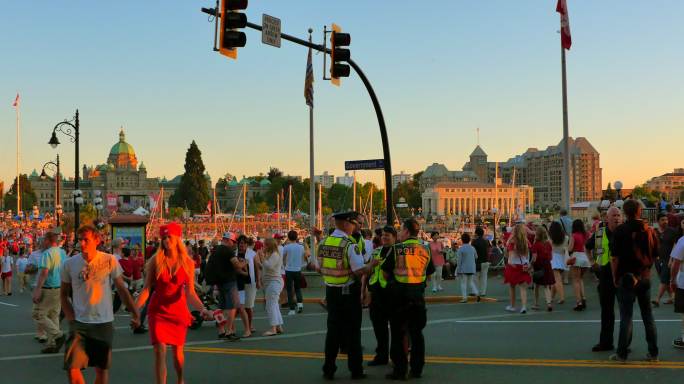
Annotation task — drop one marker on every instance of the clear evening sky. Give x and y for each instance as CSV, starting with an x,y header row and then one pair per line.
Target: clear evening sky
x,y
440,68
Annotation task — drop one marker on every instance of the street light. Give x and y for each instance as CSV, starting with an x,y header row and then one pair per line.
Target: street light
x,y
58,200
98,202
495,210
71,129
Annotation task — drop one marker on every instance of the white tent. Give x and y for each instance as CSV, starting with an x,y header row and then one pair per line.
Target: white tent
x,y
140,211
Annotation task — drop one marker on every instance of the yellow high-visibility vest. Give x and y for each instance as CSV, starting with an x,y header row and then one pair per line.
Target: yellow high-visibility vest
x,y
601,247
333,259
411,262
377,275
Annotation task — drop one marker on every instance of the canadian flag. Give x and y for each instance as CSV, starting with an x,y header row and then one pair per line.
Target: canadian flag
x,y
562,8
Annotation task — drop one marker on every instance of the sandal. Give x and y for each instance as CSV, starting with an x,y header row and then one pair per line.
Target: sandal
x,y
246,335
655,303
279,330
269,333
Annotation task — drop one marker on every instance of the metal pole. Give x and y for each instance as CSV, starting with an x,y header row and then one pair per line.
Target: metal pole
x,y
312,186
77,219
566,143
57,198
354,193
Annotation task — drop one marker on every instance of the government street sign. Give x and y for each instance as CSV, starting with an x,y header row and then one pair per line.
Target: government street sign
x,y
270,30
355,165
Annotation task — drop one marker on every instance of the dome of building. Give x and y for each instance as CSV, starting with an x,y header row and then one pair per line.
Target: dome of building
x,y
264,182
122,154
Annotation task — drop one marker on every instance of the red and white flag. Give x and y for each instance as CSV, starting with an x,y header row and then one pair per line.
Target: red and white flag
x,y
562,8
15,104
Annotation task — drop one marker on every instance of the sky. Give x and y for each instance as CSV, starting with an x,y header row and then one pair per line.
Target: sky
x,y
440,68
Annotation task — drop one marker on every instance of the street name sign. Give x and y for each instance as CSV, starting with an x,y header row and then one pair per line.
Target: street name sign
x,y
270,30
355,165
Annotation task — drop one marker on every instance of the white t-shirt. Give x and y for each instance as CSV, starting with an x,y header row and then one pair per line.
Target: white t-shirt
x,y
293,254
6,264
678,254
249,256
91,287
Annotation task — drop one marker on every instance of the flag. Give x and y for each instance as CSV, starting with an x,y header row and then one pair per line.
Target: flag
x,y
562,8
209,206
308,81
15,104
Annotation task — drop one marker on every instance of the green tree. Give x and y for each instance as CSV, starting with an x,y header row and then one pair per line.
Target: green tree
x,y
274,173
257,207
409,191
193,190
175,213
28,196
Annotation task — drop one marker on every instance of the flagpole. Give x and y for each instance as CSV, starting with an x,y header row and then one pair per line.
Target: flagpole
x,y
312,186
566,135
289,207
18,191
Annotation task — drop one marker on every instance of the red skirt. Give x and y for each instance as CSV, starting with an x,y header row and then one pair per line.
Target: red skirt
x,y
514,274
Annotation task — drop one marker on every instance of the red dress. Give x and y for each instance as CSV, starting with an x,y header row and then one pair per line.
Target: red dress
x,y
168,309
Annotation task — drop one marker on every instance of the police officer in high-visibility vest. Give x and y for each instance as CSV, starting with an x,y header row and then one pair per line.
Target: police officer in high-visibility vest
x,y
341,265
379,305
600,245
406,274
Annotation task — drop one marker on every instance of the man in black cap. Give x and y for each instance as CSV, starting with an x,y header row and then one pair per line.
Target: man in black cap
x,y
341,264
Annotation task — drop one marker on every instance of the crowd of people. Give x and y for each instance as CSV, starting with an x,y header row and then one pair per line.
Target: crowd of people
x,y
88,280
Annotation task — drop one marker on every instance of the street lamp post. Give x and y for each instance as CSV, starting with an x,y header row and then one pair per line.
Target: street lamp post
x,y
58,200
66,128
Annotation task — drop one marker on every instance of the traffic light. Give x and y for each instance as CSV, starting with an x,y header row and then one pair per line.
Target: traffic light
x,y
231,38
339,54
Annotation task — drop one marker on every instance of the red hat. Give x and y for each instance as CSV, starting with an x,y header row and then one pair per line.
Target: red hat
x,y
170,229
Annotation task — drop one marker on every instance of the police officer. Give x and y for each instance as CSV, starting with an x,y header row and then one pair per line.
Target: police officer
x,y
341,265
406,274
600,245
379,306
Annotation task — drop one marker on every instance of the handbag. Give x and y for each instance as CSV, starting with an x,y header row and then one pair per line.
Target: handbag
x,y
538,276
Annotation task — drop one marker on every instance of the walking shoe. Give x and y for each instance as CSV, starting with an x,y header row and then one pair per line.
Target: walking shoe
x,y
651,359
617,358
578,307
678,343
602,348
434,290
222,336
140,330
479,298
300,308
511,309
584,304
464,300
291,312
549,308
50,349
59,342
232,337
41,340
523,310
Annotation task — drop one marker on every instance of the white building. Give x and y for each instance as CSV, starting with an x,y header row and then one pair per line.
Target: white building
x,y
346,180
401,178
325,179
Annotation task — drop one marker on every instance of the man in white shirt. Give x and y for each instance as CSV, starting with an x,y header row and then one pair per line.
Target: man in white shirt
x,y
294,259
86,297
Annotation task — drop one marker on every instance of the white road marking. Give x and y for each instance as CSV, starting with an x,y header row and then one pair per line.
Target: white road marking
x,y
8,304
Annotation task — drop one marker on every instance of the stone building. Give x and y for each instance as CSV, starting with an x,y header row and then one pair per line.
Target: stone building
x,y
474,199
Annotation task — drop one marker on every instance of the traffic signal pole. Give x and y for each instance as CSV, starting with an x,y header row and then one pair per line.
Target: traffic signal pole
x,y
374,100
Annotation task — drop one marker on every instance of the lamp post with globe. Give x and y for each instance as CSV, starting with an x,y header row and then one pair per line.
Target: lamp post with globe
x,y
71,129
43,176
618,199
98,202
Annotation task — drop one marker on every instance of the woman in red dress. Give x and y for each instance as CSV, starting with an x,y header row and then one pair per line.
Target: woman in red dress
x,y
169,275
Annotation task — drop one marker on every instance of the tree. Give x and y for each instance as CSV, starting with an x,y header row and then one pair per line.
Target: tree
x,y
28,196
274,173
87,214
611,194
175,213
193,191
257,207
410,191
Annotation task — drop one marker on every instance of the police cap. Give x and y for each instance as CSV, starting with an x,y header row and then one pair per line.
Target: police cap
x,y
350,216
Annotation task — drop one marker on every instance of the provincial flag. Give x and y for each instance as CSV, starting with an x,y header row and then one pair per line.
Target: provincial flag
x,y
15,104
562,8
308,81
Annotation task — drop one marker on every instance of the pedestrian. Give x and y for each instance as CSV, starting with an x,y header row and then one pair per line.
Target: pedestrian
x,y
466,258
483,248
517,270
406,274
600,244
22,276
294,259
559,251
6,262
254,284
169,276
270,260
242,279
220,271
437,252
542,277
677,282
635,248
380,299
86,297
579,263
667,236
341,263
46,302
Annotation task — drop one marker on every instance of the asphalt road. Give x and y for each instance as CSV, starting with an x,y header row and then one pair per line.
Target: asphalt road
x,y
465,343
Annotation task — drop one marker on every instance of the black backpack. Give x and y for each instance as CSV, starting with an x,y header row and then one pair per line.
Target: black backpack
x,y
211,269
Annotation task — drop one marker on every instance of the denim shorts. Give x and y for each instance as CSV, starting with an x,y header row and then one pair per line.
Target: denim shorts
x,y
228,295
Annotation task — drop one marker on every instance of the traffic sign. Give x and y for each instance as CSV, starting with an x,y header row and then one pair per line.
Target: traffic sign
x,y
270,30
354,165
402,205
